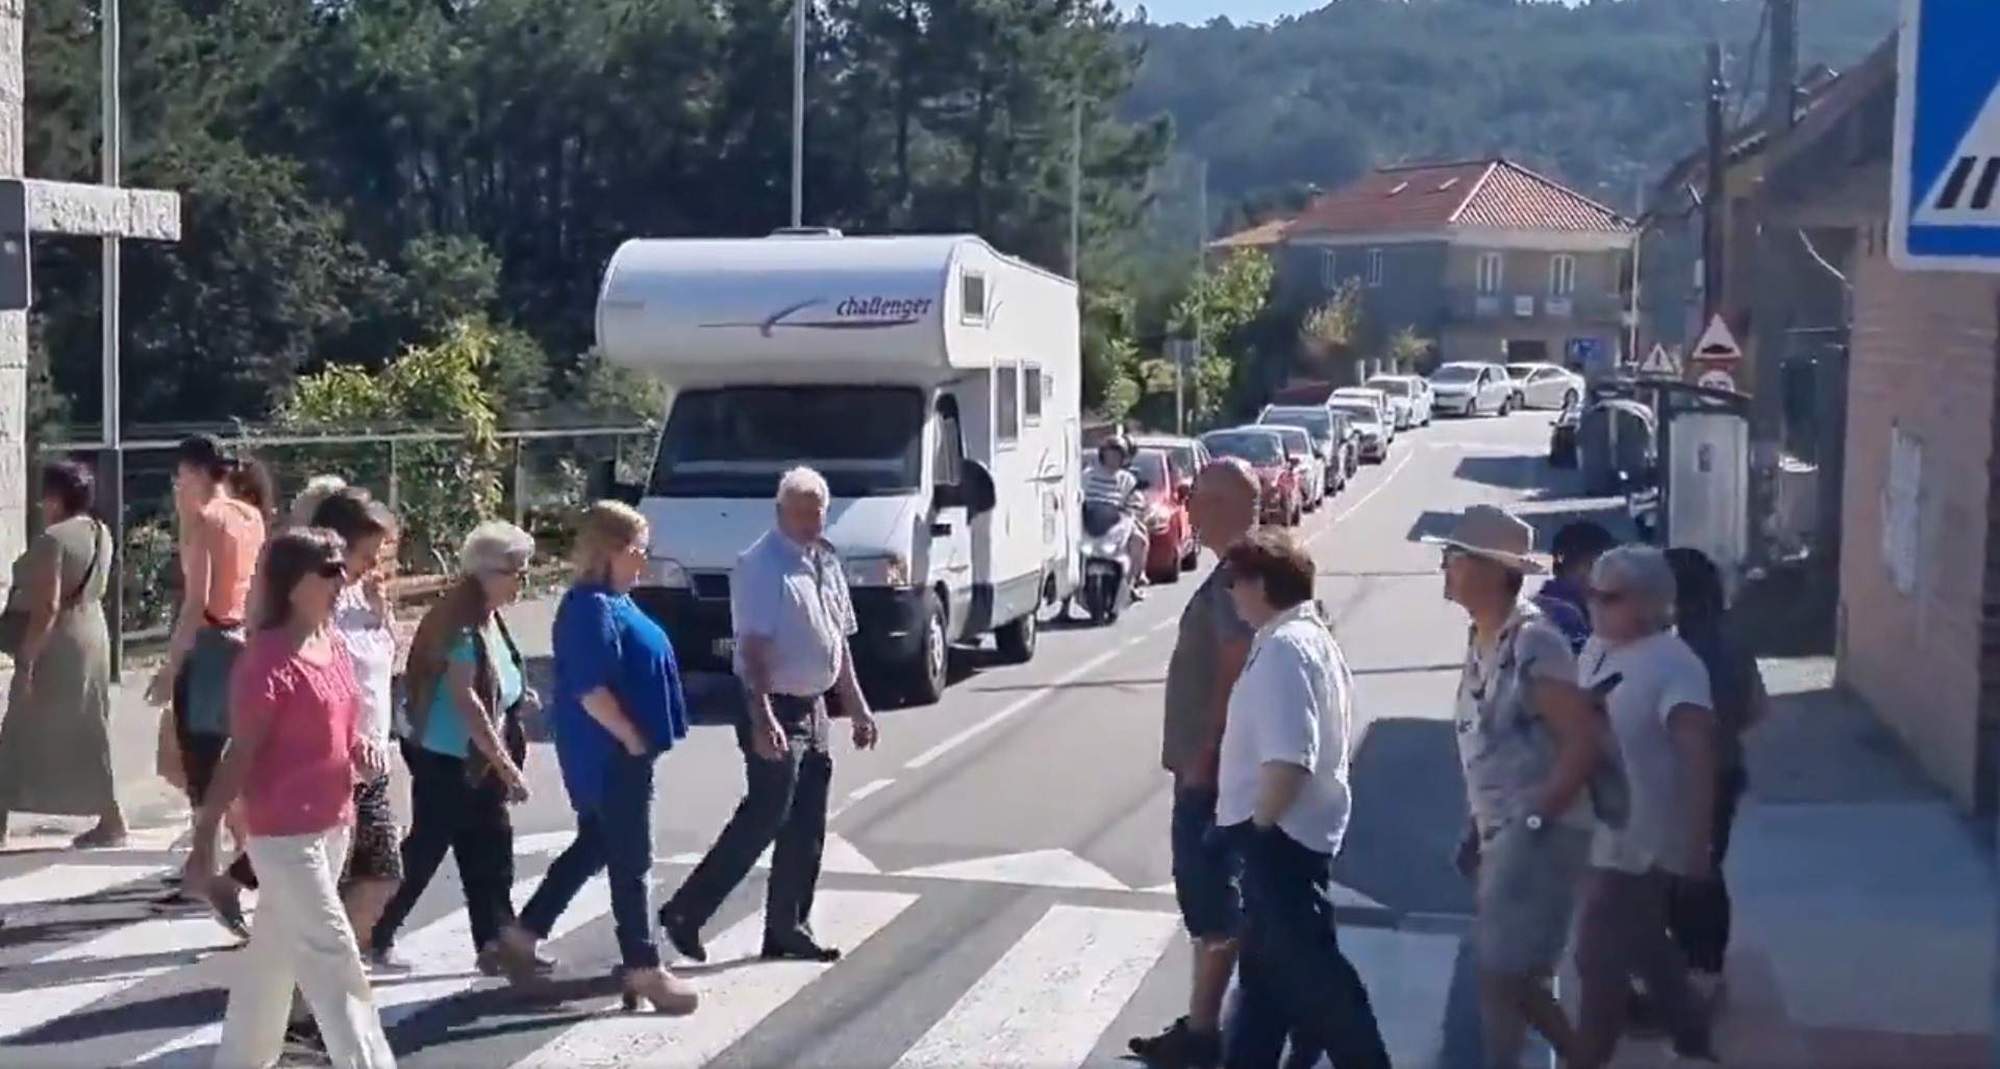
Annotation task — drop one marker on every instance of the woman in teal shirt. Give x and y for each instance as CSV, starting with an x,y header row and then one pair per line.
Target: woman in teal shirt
x,y
463,742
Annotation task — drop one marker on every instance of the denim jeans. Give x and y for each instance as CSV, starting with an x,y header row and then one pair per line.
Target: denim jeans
x,y
616,837
1292,979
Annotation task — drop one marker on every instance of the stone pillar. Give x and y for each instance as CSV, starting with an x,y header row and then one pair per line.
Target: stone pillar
x,y
13,325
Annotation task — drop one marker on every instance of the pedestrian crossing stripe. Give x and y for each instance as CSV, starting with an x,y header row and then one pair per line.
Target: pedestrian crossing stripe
x,y
1044,991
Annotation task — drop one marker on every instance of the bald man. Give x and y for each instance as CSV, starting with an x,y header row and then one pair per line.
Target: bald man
x,y
1208,656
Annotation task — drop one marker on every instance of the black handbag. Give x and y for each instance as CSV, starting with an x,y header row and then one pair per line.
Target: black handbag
x,y
14,618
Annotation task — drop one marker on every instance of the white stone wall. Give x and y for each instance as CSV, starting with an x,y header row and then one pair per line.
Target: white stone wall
x,y
13,325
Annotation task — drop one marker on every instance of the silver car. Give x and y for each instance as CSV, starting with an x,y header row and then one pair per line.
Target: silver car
x,y
1471,388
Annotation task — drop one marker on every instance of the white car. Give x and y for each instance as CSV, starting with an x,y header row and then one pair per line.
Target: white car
x,y
1367,418
1299,443
1385,409
1546,385
1406,392
1470,388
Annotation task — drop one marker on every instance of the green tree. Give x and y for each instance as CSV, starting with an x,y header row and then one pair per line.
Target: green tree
x,y
1217,307
1328,333
1410,351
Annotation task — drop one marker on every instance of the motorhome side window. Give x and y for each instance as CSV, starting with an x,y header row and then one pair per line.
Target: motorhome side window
x,y
1031,394
1006,403
974,291
734,442
948,457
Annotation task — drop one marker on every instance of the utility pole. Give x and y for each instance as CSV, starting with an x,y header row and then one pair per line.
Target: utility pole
x,y
113,464
1769,299
1200,266
798,113
1712,192
1076,186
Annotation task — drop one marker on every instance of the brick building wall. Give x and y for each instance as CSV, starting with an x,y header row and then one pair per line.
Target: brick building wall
x,y
1915,631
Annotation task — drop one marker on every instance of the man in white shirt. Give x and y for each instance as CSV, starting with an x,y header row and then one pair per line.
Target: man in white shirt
x,y
1282,793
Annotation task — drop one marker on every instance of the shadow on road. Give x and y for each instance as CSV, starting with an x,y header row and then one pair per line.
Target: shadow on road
x,y
1409,810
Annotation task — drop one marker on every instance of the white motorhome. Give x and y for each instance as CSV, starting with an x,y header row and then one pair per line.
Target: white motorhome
x,y
935,384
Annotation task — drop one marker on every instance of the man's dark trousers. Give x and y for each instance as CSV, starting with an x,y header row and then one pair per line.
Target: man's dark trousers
x,y
1292,979
785,803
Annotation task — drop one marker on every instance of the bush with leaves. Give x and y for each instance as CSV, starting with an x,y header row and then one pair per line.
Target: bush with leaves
x,y
443,489
1220,302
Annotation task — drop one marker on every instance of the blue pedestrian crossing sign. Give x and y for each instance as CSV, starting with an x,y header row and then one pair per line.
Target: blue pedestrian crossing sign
x,y
1945,189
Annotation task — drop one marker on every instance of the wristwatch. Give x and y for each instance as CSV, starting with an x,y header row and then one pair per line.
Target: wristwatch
x,y
1533,822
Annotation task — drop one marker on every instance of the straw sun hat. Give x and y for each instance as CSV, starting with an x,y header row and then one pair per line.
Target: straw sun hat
x,y
1493,534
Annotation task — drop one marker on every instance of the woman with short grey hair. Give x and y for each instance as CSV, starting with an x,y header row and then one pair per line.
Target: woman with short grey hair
x,y
466,691
1654,692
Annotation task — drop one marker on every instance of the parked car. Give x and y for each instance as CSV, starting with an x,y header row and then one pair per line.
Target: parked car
x,y
1403,397
1545,385
1170,544
1186,456
1312,470
1385,408
1367,419
1469,388
1277,473
1329,441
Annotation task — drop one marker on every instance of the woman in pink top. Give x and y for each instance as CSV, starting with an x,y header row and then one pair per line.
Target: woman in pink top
x,y
295,754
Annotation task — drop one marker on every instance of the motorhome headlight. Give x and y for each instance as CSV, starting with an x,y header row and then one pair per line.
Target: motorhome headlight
x,y
888,569
662,571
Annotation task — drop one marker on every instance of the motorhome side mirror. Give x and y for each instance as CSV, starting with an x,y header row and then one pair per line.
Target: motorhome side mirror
x,y
976,486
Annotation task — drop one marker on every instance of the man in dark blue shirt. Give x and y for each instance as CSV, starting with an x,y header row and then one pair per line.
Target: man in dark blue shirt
x,y
1563,598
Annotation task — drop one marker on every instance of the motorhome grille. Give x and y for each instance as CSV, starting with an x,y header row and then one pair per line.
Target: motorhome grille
x,y
712,586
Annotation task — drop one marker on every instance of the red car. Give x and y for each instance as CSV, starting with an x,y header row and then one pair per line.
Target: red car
x,y
1171,548
1280,494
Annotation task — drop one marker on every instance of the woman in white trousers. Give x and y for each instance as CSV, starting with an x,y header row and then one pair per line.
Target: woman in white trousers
x,y
295,754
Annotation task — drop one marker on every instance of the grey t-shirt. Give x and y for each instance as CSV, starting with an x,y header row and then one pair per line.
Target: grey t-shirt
x,y
1504,746
1208,621
1656,675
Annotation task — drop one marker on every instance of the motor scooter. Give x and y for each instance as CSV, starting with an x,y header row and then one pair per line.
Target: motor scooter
x,y
1107,567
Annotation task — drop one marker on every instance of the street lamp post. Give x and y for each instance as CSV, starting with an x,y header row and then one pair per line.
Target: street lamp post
x,y
798,113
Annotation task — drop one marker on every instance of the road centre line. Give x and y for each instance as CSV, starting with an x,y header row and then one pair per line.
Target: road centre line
x,y
995,720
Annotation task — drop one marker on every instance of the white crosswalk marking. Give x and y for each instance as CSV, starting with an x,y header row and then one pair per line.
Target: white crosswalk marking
x,y
440,957
1049,997
55,883
1044,1001
732,1002
32,1007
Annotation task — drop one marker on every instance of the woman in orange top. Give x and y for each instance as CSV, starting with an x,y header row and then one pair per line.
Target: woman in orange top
x,y
220,501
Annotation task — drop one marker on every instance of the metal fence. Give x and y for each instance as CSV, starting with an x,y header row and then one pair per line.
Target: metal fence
x,y
439,483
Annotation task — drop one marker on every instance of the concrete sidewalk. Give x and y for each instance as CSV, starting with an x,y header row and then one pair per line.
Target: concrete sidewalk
x,y
1864,900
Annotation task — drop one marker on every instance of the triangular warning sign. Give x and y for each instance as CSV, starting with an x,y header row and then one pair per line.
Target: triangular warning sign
x,y
1967,189
1660,362
1717,343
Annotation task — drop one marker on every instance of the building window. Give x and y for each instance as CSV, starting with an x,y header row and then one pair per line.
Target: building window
x,y
1031,394
1006,402
1374,267
1562,275
1328,265
1490,272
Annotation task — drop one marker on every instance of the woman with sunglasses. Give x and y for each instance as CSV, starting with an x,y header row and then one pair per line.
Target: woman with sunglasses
x,y
1528,745
295,754
1655,692
463,741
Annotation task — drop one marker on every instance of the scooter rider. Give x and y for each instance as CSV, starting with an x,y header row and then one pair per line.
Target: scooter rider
x,y
1111,483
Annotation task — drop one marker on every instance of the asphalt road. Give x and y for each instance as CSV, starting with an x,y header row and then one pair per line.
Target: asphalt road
x,y
997,869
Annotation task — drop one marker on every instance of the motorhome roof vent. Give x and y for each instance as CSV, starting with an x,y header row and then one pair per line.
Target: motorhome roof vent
x,y
806,232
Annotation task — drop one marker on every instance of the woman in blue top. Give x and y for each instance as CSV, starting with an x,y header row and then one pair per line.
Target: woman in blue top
x,y
617,708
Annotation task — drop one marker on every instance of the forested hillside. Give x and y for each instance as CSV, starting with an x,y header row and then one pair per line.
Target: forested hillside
x,y
1602,94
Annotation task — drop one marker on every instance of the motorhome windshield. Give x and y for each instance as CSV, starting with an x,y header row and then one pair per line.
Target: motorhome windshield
x,y
735,442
